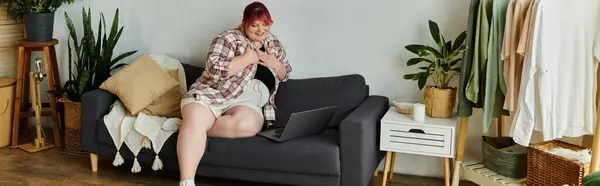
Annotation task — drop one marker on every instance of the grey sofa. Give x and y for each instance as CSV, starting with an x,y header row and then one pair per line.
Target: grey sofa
x,y
346,154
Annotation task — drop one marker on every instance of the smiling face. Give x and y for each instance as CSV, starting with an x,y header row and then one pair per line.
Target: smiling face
x,y
258,31
256,22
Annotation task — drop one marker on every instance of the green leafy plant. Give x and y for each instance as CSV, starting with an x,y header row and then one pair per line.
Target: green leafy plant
x,y
16,9
441,63
93,61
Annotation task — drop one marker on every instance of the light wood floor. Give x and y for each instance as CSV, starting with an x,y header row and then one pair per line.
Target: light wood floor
x,y
53,167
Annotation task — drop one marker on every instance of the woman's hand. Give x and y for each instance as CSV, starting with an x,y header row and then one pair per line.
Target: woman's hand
x,y
270,61
251,56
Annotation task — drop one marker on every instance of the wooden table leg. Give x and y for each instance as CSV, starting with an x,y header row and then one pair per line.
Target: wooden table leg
x,y
500,123
451,164
460,149
18,97
386,168
596,142
53,101
94,162
392,165
447,171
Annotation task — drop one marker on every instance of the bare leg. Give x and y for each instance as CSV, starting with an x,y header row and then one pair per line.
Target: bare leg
x,y
191,142
237,122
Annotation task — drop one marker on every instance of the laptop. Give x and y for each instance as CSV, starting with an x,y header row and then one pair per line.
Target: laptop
x,y
302,124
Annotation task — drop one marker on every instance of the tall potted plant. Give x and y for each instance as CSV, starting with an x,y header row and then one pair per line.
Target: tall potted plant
x,y
90,66
441,64
38,16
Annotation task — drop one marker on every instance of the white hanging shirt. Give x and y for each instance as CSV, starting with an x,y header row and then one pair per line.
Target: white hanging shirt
x,y
559,73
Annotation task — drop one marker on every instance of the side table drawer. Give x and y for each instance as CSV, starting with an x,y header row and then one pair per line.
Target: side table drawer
x,y
417,139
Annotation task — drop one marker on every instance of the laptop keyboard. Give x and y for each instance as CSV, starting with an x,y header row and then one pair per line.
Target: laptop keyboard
x,y
279,131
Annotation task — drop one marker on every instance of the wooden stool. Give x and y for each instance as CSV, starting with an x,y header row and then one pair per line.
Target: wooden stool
x,y
21,111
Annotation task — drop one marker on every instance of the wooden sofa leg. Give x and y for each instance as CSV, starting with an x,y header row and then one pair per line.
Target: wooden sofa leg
x,y
94,161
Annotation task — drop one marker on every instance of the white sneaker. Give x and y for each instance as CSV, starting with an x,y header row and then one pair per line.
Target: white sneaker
x,y
188,182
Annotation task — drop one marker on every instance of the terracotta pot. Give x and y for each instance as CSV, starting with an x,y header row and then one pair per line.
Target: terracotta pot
x,y
72,119
439,103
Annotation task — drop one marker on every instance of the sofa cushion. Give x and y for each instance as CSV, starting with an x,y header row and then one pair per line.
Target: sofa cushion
x,y
295,95
139,84
167,105
317,154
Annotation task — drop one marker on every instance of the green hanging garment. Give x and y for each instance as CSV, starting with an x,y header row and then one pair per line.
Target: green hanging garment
x,y
465,106
494,96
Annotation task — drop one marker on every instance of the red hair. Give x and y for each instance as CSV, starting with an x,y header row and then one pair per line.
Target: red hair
x,y
255,11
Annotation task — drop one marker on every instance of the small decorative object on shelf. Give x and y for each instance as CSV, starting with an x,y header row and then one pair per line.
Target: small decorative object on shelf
x,y
419,112
441,65
403,107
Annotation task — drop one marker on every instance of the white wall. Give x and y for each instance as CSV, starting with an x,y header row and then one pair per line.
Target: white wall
x,y
322,38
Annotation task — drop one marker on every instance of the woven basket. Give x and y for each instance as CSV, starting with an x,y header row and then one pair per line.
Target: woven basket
x,y
72,127
544,168
512,164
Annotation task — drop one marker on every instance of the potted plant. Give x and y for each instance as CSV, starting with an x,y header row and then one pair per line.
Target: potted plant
x,y
38,16
441,64
88,69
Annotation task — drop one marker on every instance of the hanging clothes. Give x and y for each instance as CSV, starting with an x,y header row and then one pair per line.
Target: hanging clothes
x,y
558,85
493,97
513,63
480,51
465,106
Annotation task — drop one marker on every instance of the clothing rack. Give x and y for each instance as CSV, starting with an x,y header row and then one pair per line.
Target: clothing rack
x,y
489,179
507,29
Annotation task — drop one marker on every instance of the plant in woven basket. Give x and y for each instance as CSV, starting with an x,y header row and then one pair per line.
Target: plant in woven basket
x,y
90,64
38,16
441,64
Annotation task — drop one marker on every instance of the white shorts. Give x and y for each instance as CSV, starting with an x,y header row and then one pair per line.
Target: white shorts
x,y
255,95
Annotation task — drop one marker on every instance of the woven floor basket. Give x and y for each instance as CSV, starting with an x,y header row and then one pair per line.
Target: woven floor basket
x,y
546,169
72,127
505,163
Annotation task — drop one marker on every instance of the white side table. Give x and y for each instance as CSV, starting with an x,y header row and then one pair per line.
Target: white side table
x,y
433,137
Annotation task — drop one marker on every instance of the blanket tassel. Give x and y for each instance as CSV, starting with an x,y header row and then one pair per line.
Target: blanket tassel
x,y
118,160
136,166
146,143
157,165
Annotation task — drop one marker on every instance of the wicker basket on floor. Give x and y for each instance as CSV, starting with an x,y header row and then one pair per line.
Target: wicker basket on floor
x,y
496,156
72,127
544,168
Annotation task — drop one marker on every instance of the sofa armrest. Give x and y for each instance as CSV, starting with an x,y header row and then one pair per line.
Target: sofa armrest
x,y
94,105
359,141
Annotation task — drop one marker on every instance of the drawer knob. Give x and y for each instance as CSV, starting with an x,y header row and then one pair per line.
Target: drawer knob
x,y
416,131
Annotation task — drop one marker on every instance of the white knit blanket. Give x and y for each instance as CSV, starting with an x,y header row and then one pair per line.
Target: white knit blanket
x,y
143,131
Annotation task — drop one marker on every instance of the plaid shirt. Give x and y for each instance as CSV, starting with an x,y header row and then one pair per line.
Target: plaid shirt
x,y
215,87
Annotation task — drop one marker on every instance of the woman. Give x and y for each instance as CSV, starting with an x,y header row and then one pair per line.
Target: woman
x,y
235,95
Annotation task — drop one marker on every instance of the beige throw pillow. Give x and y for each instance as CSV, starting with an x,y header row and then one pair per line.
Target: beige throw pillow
x,y
168,105
139,83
